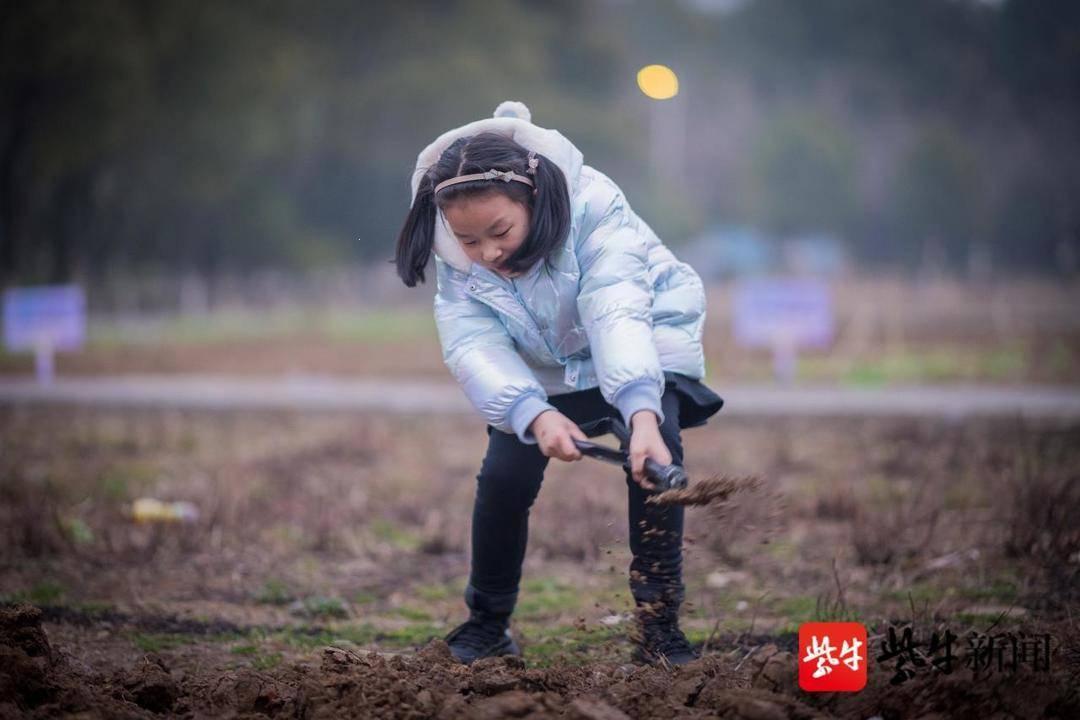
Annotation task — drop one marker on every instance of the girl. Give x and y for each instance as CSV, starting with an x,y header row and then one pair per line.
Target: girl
x,y
556,306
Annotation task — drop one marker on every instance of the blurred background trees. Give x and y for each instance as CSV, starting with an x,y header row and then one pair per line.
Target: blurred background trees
x,y
146,136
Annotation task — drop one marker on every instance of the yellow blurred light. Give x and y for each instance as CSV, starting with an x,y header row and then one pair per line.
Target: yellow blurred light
x,y
658,82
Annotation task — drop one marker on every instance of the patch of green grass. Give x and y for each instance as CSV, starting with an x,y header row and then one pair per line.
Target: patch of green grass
x,y
865,375
51,594
258,658
903,367
325,607
1005,364
266,661
395,535
274,592
413,613
46,592
411,635
372,326
797,608
113,487
1001,591
697,635
362,634
301,638
156,642
1060,360
564,644
919,593
378,326
192,329
305,640
188,442
878,492
782,549
980,621
734,623
934,364
433,592
122,481
615,592
787,627
286,534
92,607
364,597
963,496
546,596
78,531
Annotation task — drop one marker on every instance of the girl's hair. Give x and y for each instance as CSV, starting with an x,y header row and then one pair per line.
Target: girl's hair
x,y
549,208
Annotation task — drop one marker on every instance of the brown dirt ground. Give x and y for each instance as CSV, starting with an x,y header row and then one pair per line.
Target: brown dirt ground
x,y
39,680
883,521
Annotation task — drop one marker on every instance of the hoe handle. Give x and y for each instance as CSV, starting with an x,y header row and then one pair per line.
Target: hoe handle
x,y
665,477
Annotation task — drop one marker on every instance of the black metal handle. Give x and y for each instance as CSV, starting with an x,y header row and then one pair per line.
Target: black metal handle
x,y
665,477
600,452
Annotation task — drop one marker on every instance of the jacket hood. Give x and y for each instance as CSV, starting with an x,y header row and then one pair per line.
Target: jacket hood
x,y
512,119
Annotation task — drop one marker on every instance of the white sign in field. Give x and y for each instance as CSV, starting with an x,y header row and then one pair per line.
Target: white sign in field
x,y
44,318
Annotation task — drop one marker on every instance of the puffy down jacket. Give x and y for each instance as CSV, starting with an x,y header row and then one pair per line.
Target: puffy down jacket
x,y
612,306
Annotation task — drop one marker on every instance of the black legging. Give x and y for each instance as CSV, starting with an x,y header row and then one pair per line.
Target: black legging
x,y
508,483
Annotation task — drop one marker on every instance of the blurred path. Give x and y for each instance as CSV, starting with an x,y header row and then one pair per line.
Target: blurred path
x,y
426,396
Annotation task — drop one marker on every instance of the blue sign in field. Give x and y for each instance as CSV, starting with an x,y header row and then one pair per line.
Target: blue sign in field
x,y
52,316
796,312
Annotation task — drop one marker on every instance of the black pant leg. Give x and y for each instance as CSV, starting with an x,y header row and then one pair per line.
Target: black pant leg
x,y
656,532
507,485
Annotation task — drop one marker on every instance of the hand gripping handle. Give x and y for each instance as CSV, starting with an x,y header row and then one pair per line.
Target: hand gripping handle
x,y
665,477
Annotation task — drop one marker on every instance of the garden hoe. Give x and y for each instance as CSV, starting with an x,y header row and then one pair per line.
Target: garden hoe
x,y
665,477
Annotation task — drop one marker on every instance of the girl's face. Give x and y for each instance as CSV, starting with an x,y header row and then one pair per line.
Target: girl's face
x,y
490,228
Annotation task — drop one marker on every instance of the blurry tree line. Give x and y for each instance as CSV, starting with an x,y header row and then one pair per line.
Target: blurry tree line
x,y
150,136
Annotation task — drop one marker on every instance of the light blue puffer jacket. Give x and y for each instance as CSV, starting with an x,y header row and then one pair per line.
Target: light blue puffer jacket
x,y
613,307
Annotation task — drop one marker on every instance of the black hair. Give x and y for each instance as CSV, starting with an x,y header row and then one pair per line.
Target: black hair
x,y
549,207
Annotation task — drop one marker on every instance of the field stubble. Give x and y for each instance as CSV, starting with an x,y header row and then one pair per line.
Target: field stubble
x,y
324,537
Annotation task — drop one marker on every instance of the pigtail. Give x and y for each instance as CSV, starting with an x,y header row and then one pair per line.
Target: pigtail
x,y
551,208
417,236
550,216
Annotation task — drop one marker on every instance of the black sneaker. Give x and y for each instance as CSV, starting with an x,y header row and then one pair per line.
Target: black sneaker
x,y
663,643
478,638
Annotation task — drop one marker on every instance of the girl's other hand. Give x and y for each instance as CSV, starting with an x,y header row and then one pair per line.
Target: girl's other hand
x,y
555,434
646,441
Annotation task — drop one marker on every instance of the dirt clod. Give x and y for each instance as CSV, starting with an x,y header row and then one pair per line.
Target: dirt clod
x,y
592,709
775,670
437,652
151,686
36,680
710,491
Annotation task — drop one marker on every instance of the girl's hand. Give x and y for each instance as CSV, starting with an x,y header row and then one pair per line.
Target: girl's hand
x,y
555,434
645,441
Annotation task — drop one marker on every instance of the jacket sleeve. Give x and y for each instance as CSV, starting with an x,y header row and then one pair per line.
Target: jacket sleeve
x,y
615,304
481,356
